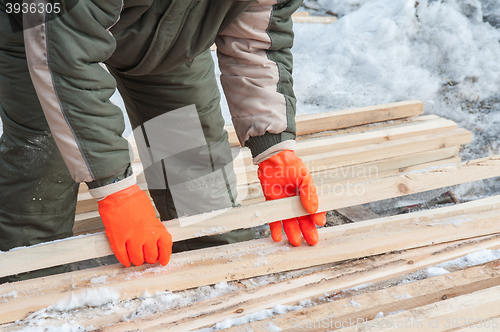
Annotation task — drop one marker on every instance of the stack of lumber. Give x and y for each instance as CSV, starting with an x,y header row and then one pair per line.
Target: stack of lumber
x,y
347,256
340,147
411,153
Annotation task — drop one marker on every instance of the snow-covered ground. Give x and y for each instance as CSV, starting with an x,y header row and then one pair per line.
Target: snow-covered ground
x,y
444,53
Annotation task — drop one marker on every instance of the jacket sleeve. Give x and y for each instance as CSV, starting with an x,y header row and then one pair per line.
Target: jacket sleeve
x,y
256,65
65,52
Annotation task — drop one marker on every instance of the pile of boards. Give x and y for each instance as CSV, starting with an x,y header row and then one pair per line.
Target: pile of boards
x,y
397,141
340,147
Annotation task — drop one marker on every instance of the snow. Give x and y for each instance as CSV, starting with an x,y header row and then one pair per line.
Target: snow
x,y
211,231
99,280
278,309
358,287
402,296
66,327
475,258
355,304
456,221
273,328
89,297
11,294
435,271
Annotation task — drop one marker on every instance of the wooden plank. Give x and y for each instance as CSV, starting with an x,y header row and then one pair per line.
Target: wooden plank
x,y
86,223
402,297
314,123
363,268
357,118
314,19
300,14
81,248
86,203
349,140
425,125
372,152
84,189
479,305
325,183
259,257
312,286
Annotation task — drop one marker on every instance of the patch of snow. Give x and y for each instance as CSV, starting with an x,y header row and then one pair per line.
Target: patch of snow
x,y
457,221
355,304
435,271
211,231
12,294
66,327
475,258
273,328
379,315
99,280
395,312
89,297
358,287
402,296
256,316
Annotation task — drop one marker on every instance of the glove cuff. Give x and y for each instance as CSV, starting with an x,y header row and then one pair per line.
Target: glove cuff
x,y
274,150
263,147
101,193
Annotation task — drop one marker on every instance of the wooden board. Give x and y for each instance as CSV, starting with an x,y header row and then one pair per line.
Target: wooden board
x,y
259,257
338,121
372,152
314,123
393,264
425,125
480,305
369,170
76,249
87,223
314,19
403,297
422,125
312,286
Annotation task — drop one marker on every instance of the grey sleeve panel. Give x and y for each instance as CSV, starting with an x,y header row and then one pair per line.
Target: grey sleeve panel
x,y
249,78
256,65
64,55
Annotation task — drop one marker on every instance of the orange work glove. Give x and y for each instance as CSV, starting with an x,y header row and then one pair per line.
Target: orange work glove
x,y
134,232
285,175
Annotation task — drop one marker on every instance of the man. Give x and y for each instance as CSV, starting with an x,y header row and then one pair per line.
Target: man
x,y
60,128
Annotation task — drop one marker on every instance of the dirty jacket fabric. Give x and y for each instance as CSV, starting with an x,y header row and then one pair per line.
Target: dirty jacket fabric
x,y
148,37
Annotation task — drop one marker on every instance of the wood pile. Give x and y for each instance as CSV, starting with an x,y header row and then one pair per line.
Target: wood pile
x,y
340,147
411,153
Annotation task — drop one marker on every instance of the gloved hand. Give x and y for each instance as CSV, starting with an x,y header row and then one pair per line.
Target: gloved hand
x,y
134,232
285,175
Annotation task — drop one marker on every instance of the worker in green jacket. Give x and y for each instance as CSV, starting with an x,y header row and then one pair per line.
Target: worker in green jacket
x,y
60,62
